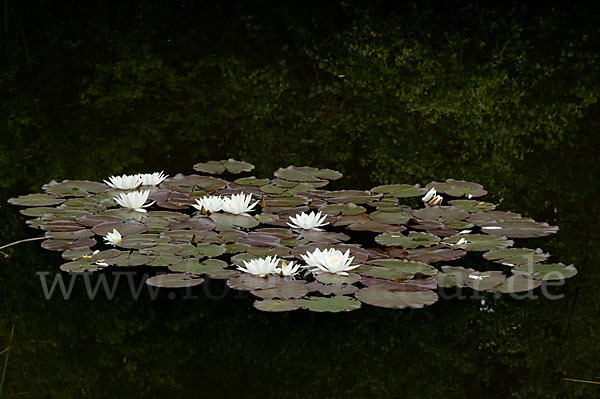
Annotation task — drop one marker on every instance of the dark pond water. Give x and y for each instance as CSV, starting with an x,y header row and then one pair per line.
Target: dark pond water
x,y
127,97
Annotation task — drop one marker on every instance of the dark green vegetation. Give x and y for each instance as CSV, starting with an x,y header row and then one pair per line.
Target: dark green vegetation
x,y
505,97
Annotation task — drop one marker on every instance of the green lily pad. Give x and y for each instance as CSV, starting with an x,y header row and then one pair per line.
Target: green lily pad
x,y
330,278
130,259
79,266
518,283
213,268
236,167
338,289
473,205
262,252
342,209
436,253
441,214
248,282
332,304
285,201
516,256
283,290
306,173
478,242
398,269
225,221
211,167
252,181
63,245
482,218
165,259
40,211
276,305
351,196
36,200
543,271
524,228
176,280
400,190
412,240
396,299
76,188
202,250
458,188
390,217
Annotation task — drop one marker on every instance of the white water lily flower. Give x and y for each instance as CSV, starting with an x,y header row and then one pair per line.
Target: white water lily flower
x,y
238,204
260,266
152,179
329,261
134,200
461,242
287,269
308,221
436,200
430,194
210,203
124,182
113,238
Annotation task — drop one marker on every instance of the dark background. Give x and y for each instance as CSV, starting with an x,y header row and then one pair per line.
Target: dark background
x,y
385,92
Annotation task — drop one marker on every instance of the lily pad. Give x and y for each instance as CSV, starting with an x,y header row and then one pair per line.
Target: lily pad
x,y
400,190
176,280
236,167
211,167
406,268
390,217
330,278
441,214
252,181
130,259
329,304
437,253
473,205
524,228
342,209
248,282
396,299
276,305
516,256
544,271
306,173
284,290
213,268
225,221
338,289
36,200
412,240
478,242
518,283
63,245
351,196
458,188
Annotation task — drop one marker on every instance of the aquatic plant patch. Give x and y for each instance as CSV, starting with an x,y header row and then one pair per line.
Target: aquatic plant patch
x,y
288,241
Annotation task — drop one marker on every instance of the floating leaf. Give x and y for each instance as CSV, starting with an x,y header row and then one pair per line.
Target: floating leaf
x,y
516,256
543,271
400,190
306,173
436,253
342,209
212,167
478,242
252,181
412,240
473,205
518,283
390,217
396,299
330,278
225,221
202,250
524,228
63,245
351,196
130,259
441,214
36,200
338,289
77,188
236,167
329,304
165,259
420,284
283,290
176,280
398,269
276,305
458,188
482,218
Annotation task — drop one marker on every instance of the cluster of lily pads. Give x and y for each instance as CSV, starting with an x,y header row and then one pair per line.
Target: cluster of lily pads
x,y
288,241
